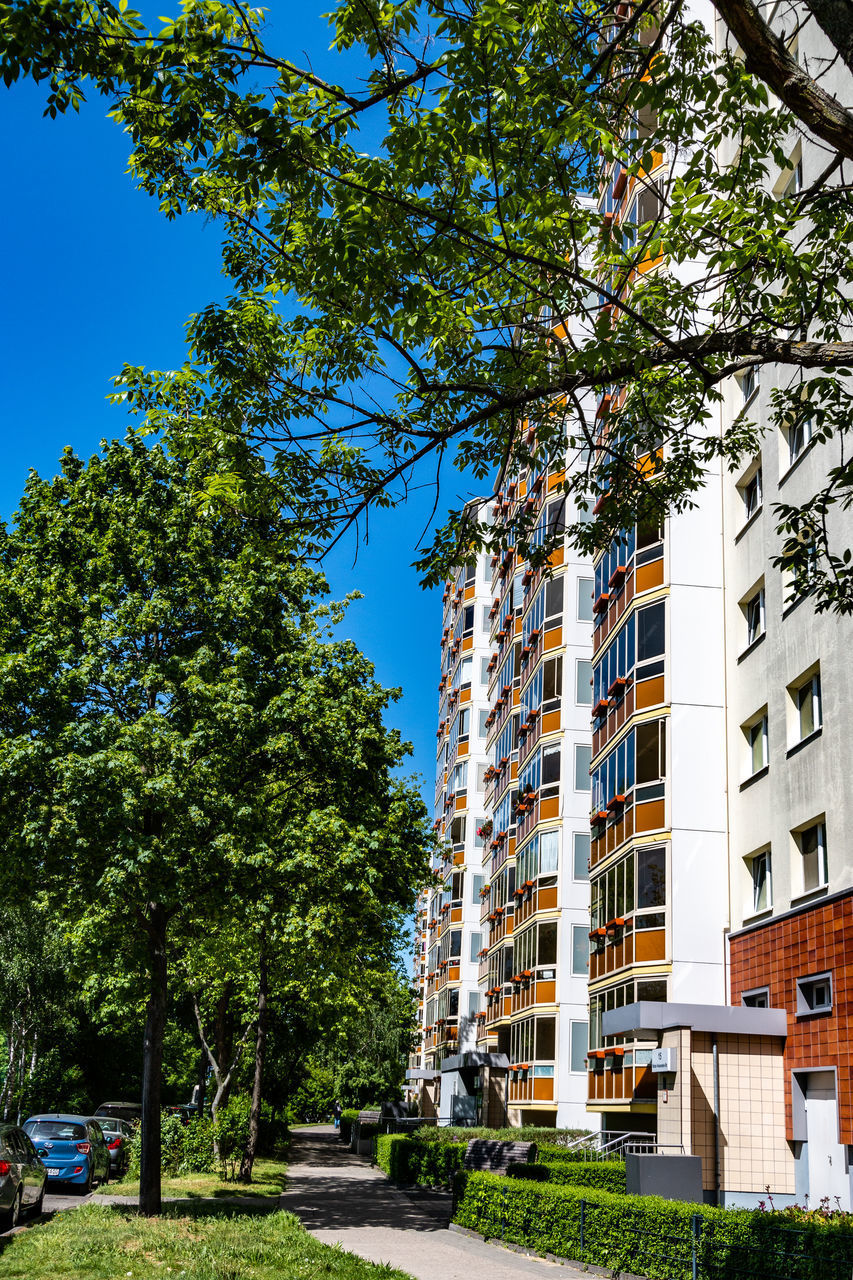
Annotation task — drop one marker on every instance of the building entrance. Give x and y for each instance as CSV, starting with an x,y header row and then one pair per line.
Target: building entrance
x,y
828,1170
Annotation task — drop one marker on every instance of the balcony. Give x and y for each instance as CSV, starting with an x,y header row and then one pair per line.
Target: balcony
x,y
530,1082
530,898
534,987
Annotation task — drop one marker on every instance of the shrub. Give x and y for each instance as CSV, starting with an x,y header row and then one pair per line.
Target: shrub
x,y
348,1119
231,1131
608,1175
549,1153
528,1172
645,1235
409,1160
186,1148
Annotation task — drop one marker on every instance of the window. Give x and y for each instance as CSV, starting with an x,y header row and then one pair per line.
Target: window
x,y
579,1045
759,870
759,999
651,751
580,950
470,572
481,776
799,434
753,611
811,842
583,682
482,727
583,756
457,830
751,494
466,671
793,179
580,863
468,619
477,883
755,734
462,723
549,852
476,945
814,995
460,776
552,682
484,670
749,383
554,597
473,1003
546,1038
585,586
650,635
808,707
550,767
487,618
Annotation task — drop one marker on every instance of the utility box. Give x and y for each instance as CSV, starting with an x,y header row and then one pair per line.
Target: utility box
x,y
672,1177
664,1060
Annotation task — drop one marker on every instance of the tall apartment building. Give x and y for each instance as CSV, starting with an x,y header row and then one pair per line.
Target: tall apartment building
x,y
535,908
448,937
719,940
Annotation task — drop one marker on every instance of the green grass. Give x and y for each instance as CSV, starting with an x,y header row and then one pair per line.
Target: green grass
x,y
106,1242
268,1179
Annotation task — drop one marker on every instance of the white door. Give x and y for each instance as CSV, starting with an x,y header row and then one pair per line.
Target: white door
x,y
828,1174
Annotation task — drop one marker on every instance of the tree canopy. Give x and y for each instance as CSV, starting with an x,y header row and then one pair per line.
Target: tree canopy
x,y
184,751
419,278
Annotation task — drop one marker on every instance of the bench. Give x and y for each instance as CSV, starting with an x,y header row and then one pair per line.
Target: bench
x,y
488,1155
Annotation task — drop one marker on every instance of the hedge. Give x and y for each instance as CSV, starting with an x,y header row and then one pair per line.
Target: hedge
x,y
648,1236
606,1175
409,1160
348,1119
550,1153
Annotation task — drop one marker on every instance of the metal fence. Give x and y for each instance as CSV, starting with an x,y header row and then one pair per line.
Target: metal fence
x,y
706,1250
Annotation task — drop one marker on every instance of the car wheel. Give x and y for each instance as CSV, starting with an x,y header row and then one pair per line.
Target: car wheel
x,y
13,1217
86,1187
38,1206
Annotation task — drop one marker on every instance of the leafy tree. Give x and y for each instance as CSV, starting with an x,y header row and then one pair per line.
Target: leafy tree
x,y
165,685
437,262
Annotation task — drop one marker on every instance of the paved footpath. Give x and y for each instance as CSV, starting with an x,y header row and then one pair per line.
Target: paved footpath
x,y
342,1200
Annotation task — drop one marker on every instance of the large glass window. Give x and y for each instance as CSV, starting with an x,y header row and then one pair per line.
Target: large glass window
x,y
585,599
583,682
759,867
812,845
583,756
580,950
580,852
635,887
579,1046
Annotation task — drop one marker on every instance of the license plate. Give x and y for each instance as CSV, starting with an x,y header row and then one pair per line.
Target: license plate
x,y
53,1173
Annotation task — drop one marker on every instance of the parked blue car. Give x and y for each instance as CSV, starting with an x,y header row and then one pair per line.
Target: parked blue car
x,y
72,1147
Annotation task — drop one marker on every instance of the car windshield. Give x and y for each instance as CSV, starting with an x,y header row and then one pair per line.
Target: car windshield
x,y
116,1111
56,1129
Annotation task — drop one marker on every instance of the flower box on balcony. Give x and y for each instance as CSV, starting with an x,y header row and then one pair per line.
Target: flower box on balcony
x,y
615,926
617,575
600,815
601,603
600,708
617,687
616,802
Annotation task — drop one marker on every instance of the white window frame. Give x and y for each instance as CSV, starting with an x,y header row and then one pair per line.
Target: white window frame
x,y
805,1008
754,861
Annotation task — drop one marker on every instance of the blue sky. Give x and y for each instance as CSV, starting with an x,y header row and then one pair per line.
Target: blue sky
x,y
94,276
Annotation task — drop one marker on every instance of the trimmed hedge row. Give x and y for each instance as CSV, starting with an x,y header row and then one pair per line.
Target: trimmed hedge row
x,y
607,1175
648,1236
550,1152
410,1160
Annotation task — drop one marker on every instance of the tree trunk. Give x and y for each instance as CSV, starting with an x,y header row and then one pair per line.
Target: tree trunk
x,y
152,1064
251,1151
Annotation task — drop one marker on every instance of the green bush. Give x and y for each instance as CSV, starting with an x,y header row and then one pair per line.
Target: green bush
x,y
409,1160
186,1148
607,1175
528,1172
645,1235
231,1131
550,1153
526,1133
348,1119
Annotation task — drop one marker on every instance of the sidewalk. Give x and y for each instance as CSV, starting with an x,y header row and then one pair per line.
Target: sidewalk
x,y
342,1200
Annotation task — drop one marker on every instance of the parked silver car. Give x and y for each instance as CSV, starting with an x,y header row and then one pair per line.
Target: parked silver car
x,y
23,1176
118,1135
